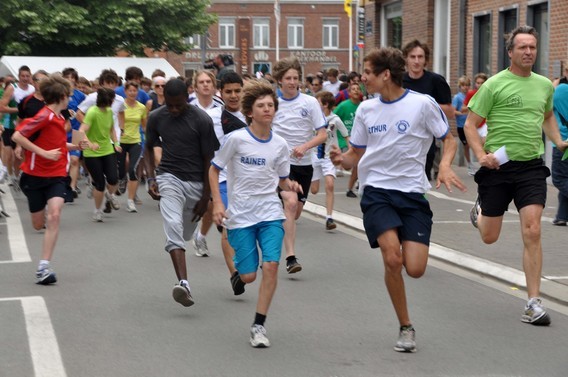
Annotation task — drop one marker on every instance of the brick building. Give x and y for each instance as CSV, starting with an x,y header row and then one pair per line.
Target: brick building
x,y
315,31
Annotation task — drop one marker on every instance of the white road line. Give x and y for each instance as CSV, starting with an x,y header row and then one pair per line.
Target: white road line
x,y
16,238
557,277
44,349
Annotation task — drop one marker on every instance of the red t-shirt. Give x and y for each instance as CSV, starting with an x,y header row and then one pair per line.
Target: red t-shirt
x,y
47,131
468,96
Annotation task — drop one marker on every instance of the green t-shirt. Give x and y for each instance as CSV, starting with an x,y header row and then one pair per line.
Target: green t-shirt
x,y
132,118
100,126
514,107
346,112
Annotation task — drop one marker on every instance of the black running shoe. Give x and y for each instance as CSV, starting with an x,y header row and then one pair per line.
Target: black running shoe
x,y
292,266
237,284
108,208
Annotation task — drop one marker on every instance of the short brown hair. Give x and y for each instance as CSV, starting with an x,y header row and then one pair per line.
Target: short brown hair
x,y
253,90
327,99
284,65
525,29
389,58
412,45
54,89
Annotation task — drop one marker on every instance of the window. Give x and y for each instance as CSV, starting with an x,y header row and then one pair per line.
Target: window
x,y
261,33
194,41
507,22
537,16
330,33
295,33
482,43
226,32
392,25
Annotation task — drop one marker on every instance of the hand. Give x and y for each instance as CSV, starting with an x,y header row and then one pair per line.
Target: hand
x,y
219,214
153,189
118,148
52,155
18,152
200,208
335,155
94,146
84,144
562,146
489,161
299,151
295,187
447,177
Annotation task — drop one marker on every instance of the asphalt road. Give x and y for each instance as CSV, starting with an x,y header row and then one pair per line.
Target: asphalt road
x,y
111,312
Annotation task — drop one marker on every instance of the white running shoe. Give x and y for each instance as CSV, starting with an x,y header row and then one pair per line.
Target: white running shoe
x,y
258,337
200,245
113,200
98,216
535,313
131,207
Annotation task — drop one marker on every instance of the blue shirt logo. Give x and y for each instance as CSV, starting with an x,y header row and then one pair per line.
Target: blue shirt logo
x,y
402,126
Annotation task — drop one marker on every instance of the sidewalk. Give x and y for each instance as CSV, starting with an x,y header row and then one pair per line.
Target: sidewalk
x,y
456,241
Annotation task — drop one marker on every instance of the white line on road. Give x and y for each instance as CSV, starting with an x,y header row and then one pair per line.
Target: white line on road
x,y
44,349
16,239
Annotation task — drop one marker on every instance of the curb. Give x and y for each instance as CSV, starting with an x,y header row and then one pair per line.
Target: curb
x,y
549,288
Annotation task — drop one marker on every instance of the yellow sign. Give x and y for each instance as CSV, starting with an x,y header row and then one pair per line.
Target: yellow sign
x,y
347,7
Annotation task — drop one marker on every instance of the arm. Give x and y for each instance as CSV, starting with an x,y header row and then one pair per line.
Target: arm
x,y
219,214
550,128
474,141
321,137
203,203
151,163
446,175
448,109
80,116
348,159
121,121
20,139
6,97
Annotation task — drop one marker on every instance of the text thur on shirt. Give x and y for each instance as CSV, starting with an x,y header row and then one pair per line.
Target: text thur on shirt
x,y
378,128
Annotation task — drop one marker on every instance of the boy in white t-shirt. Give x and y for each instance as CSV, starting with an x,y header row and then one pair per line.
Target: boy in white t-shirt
x,y
390,139
323,167
257,161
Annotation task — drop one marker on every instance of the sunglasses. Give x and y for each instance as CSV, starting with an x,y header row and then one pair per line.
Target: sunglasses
x,y
159,85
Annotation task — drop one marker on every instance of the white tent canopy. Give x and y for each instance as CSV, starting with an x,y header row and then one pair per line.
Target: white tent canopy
x,y
89,67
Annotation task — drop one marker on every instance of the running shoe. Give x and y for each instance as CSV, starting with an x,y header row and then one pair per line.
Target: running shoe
x,y
471,170
350,194
90,188
292,266
237,284
45,276
98,216
475,211
200,245
78,190
108,207
131,207
330,225
535,313
182,295
406,340
558,222
113,200
258,337
122,186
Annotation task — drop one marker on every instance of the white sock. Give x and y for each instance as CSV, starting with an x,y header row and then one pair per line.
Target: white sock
x,y
184,283
200,236
43,264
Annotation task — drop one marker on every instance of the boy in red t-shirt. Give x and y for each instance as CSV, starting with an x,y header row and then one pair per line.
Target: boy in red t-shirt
x,y
44,169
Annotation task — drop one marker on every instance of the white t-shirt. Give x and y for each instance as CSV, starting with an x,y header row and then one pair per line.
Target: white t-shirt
x,y
332,87
397,136
254,168
117,107
334,124
296,120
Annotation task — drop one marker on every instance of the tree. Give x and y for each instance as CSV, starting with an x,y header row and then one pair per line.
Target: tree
x,y
99,28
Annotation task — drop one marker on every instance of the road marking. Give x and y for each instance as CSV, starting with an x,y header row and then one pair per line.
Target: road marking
x,y
44,349
16,239
557,277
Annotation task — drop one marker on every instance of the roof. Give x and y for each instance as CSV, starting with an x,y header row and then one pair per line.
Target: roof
x,y
89,67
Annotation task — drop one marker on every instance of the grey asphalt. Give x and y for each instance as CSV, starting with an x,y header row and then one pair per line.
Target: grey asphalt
x,y
113,315
456,241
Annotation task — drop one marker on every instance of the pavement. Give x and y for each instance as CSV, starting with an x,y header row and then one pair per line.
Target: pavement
x,y
454,240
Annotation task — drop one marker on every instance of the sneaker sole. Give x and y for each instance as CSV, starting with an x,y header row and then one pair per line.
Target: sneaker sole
x,y
49,279
294,269
331,227
202,255
405,350
259,345
543,320
180,295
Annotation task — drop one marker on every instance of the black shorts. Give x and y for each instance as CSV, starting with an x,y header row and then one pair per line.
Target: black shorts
x,y
7,137
408,213
521,181
461,134
303,175
39,190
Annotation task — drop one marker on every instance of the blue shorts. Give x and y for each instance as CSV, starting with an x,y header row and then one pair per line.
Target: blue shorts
x,y
408,213
268,234
223,192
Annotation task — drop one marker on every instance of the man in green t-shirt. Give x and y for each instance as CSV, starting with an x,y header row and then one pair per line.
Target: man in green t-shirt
x,y
346,112
517,104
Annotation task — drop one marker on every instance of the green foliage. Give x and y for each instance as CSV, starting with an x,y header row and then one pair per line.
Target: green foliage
x,y
94,28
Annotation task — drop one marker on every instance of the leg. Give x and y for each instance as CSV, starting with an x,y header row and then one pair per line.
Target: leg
x,y
228,252
329,195
74,171
353,178
489,228
314,188
54,207
532,250
178,260
267,286
291,206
